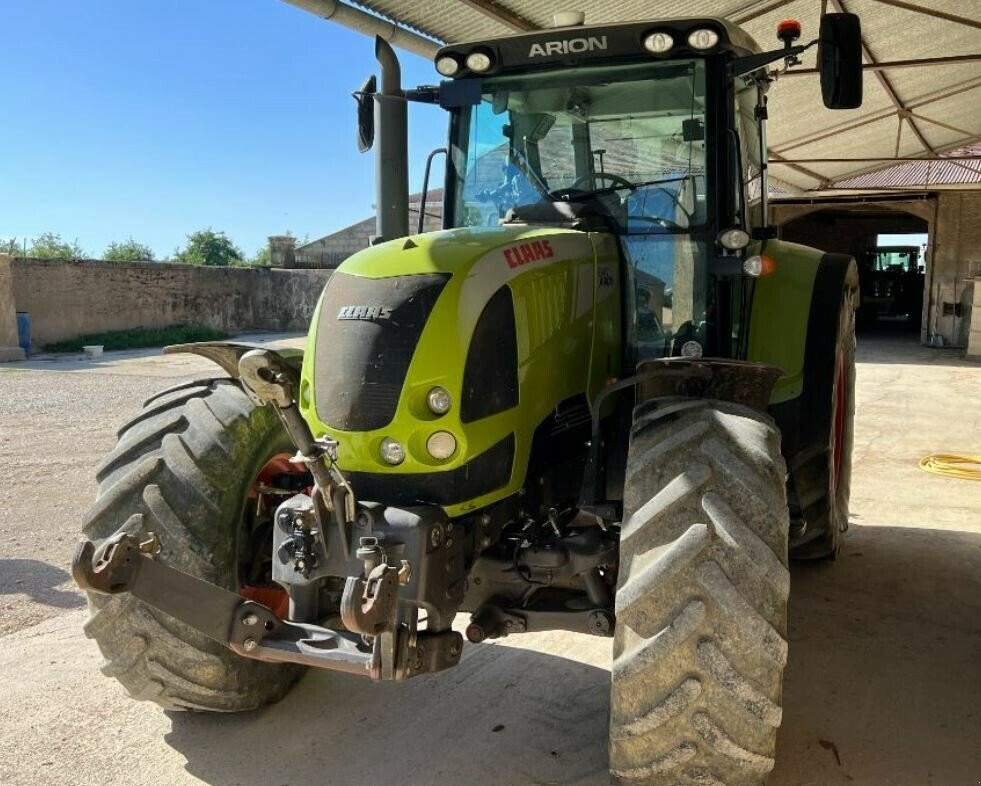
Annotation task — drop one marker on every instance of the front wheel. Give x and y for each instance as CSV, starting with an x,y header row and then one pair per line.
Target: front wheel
x,y
187,469
700,642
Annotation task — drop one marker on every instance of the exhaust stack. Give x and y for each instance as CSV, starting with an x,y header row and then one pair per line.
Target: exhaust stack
x,y
391,148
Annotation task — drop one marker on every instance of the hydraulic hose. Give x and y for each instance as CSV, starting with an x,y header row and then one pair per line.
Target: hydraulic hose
x,y
952,465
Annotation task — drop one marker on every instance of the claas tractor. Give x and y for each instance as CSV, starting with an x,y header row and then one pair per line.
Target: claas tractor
x,y
604,398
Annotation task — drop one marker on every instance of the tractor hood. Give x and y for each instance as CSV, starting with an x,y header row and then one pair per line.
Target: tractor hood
x,y
500,318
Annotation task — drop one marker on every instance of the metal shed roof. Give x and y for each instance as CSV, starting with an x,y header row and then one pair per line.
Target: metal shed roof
x,y
911,109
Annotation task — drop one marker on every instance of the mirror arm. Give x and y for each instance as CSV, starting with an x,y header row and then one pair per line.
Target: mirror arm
x,y
424,94
742,66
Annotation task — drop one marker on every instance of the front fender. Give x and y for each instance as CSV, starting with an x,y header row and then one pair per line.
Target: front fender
x,y
227,354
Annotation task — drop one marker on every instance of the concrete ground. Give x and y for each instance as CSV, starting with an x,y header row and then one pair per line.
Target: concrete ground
x,y
883,685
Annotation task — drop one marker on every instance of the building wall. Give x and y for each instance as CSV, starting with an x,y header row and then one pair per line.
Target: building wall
x,y
330,251
66,299
953,258
956,265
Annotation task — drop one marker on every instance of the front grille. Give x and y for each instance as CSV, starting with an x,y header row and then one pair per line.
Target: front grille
x,y
368,331
490,379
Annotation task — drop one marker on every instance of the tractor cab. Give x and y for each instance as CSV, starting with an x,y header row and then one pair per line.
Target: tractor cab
x,y
653,133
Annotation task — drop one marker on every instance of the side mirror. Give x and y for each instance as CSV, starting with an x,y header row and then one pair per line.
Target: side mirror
x,y
840,61
365,98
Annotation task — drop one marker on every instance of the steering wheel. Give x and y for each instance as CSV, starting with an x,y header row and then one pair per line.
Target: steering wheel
x,y
580,187
615,179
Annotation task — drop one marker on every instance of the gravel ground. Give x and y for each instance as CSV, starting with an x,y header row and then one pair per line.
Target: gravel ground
x,y
881,686
55,427
58,419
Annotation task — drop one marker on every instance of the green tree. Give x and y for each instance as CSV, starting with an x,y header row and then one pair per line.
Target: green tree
x,y
48,245
207,247
262,257
128,251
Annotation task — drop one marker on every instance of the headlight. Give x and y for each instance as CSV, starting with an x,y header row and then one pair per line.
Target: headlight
x,y
439,400
392,451
759,265
447,65
479,61
703,38
441,445
734,239
658,43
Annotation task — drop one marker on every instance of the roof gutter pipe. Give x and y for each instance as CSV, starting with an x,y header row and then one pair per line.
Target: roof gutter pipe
x,y
369,24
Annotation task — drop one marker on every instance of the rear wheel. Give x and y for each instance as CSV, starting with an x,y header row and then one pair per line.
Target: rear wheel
x,y
700,642
823,482
187,468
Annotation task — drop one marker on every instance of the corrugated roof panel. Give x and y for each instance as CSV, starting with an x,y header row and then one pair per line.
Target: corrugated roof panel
x,y
797,115
921,174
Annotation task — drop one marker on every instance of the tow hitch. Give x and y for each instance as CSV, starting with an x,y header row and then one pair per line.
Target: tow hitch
x,y
391,652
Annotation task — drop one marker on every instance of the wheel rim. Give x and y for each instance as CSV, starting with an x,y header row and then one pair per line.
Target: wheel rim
x,y
261,499
840,404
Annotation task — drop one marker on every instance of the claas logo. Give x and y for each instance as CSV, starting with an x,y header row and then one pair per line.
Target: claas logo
x,y
365,312
528,252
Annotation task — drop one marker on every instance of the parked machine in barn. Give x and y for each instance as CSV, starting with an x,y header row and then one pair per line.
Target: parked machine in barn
x,y
603,399
891,279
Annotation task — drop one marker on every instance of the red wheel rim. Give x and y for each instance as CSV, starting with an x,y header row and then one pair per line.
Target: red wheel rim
x,y
274,597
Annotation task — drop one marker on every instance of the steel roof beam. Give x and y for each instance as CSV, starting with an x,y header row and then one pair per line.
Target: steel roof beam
x,y
888,88
890,64
918,9
876,117
741,19
776,158
861,159
499,13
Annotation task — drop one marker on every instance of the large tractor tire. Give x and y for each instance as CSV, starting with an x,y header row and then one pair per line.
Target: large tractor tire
x,y
700,641
184,469
822,482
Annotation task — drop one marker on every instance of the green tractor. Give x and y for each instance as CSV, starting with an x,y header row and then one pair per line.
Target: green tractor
x,y
603,399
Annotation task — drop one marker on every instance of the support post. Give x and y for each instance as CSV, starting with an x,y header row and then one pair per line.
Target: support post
x,y
9,349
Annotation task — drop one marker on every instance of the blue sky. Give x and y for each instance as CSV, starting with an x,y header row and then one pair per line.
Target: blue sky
x,y
153,119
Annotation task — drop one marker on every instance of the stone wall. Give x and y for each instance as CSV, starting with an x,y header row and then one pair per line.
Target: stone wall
x,y
66,299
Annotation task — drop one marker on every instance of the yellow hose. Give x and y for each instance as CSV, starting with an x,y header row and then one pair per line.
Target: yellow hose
x,y
952,466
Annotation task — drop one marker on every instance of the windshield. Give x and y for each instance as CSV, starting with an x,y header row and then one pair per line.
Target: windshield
x,y
630,140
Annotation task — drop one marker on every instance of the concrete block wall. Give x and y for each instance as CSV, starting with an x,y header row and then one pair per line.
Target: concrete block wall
x,y
974,334
66,299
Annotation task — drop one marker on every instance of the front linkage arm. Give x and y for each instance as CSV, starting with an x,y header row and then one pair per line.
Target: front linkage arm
x,y
124,564
249,628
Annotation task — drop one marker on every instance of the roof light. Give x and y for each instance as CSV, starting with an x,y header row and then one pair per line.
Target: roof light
x,y
759,265
734,239
441,445
447,65
392,451
788,31
703,38
658,43
479,61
